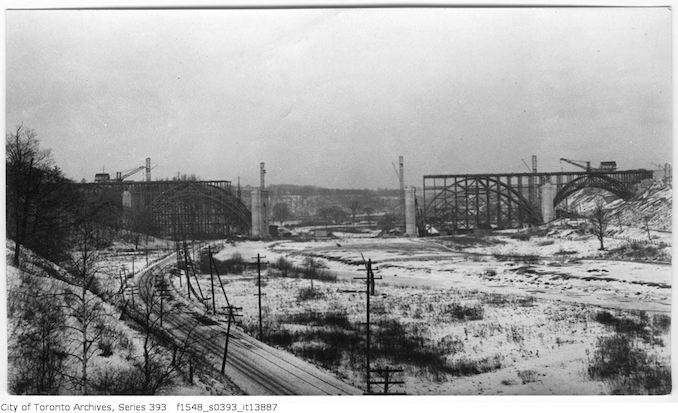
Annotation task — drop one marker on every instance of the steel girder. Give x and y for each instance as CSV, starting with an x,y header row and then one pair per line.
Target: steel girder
x,y
198,208
470,202
593,180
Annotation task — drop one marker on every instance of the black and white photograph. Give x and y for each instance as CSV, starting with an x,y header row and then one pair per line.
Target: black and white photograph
x,y
356,200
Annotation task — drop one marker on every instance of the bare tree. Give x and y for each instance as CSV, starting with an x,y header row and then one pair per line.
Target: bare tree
x,y
599,219
646,224
26,165
281,212
354,206
36,353
368,211
88,233
155,366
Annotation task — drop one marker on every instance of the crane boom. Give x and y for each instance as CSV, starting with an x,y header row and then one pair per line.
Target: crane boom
x,y
121,177
586,167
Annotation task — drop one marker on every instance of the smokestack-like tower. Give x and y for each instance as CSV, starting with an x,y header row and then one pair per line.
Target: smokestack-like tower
x,y
148,169
534,164
262,173
401,178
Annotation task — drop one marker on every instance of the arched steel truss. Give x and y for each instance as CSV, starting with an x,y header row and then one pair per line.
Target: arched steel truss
x,y
199,210
470,202
465,202
593,181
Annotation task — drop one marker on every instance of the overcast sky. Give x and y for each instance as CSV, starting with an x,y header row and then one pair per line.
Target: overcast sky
x,y
332,97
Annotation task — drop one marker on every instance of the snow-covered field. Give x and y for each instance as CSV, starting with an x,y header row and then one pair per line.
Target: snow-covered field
x,y
534,310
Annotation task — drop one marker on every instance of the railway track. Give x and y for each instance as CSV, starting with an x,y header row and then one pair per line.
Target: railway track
x,y
255,367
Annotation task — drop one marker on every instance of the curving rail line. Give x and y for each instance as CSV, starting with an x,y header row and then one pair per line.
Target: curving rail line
x,y
255,367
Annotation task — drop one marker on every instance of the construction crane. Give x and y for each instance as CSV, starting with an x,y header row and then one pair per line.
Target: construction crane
x,y
606,166
121,176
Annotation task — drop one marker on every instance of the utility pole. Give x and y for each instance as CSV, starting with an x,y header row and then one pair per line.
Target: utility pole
x,y
214,304
216,269
369,291
188,279
259,293
131,290
385,373
163,292
230,313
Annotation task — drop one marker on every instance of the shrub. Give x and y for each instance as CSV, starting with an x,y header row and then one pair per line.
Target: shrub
x,y
316,318
495,299
662,322
464,312
105,347
624,325
319,353
282,338
521,236
311,269
284,266
527,301
469,367
627,368
309,293
565,252
515,334
393,341
234,265
528,376
450,344
120,381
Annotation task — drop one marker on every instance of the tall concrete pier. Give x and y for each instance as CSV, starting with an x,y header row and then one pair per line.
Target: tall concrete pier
x,y
260,208
410,212
548,194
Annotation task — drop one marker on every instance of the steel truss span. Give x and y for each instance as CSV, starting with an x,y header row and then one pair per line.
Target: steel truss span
x,y
182,209
455,203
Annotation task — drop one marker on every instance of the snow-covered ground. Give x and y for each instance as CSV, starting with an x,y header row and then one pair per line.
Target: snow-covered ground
x,y
539,304
505,265
126,351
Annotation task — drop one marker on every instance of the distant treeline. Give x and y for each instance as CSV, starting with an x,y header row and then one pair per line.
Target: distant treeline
x,y
310,190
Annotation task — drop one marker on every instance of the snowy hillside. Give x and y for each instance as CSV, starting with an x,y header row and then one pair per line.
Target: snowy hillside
x,y
654,202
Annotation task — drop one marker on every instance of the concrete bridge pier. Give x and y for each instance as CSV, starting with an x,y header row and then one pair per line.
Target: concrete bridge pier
x,y
548,193
410,212
260,214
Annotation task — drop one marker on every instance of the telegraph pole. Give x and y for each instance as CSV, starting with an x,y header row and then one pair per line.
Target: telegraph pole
x,y
216,269
231,315
370,291
259,294
214,305
131,290
162,292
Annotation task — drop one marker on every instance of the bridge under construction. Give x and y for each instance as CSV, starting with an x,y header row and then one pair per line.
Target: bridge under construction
x,y
181,209
511,200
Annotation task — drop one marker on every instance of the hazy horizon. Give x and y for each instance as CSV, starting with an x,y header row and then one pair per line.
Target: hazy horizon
x,y
332,97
